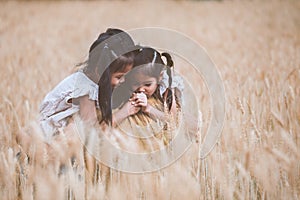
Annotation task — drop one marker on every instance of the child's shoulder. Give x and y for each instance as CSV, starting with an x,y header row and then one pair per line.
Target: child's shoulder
x,y
76,81
72,77
177,82
79,79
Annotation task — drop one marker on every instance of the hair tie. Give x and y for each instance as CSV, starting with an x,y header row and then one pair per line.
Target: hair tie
x,y
114,54
154,58
111,51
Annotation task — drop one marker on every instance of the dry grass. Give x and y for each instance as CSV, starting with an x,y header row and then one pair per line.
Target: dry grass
x,y
256,46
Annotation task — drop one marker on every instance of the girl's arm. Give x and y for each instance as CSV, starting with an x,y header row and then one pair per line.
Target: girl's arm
x,y
141,101
155,113
89,115
126,110
87,110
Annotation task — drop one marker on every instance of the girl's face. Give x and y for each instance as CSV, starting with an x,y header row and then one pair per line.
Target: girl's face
x,y
118,77
145,84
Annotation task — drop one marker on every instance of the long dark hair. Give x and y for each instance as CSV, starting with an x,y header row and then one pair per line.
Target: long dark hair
x,y
111,52
107,48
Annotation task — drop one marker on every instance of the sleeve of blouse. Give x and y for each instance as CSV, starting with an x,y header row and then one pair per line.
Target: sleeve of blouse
x,y
82,86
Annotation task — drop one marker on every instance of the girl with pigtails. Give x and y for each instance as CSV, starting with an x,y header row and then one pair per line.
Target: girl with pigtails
x,y
154,98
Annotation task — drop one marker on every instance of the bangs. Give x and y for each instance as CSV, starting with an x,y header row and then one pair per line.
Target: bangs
x,y
120,64
151,70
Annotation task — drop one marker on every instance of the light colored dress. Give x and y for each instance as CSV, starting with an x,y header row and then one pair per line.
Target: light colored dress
x,y
148,133
57,107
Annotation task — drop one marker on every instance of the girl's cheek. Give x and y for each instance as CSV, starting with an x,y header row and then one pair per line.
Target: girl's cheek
x,y
114,82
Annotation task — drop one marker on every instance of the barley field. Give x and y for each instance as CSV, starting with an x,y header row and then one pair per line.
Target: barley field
x,y
256,48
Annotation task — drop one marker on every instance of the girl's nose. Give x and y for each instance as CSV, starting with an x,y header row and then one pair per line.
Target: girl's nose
x,y
122,79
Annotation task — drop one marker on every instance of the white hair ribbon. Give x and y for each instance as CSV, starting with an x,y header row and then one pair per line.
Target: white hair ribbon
x,y
154,58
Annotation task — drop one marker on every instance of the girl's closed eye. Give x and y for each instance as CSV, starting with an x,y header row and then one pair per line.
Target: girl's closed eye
x,y
121,79
116,79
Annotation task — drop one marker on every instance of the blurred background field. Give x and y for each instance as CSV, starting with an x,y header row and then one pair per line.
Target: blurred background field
x,y
256,47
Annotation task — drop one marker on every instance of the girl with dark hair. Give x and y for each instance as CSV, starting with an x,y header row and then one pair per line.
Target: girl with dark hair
x,y
110,57
155,95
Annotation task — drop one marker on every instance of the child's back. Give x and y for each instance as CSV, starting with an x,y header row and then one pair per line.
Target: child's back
x,y
61,103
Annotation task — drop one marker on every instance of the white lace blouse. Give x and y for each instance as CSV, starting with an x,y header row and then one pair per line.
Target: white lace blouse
x,y
57,106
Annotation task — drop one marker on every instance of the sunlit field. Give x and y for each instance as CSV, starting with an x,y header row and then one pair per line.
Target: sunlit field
x,y
256,48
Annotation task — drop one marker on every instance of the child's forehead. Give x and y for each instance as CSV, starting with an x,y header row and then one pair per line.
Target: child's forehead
x,y
124,69
142,73
144,80
148,66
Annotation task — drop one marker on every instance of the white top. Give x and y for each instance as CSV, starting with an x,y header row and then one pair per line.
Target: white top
x,y
57,106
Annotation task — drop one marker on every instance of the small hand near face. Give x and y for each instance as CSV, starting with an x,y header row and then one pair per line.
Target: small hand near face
x,y
139,100
130,108
125,111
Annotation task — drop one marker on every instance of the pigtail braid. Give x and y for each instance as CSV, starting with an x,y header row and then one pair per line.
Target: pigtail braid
x,y
170,64
104,87
169,96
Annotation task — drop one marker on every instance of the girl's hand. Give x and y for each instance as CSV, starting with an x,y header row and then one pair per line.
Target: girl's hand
x,y
129,109
125,111
139,100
